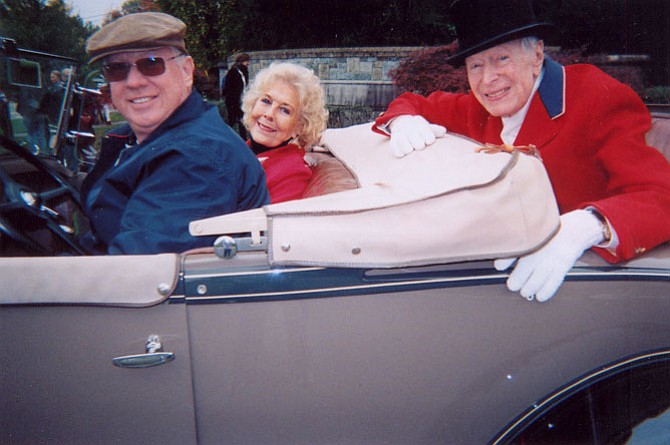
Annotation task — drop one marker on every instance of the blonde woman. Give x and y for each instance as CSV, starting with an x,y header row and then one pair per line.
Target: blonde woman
x,y
285,113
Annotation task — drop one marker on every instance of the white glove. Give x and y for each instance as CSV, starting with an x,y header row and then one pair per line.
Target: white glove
x,y
409,133
540,274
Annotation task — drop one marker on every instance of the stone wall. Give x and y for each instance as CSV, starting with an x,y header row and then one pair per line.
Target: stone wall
x,y
350,76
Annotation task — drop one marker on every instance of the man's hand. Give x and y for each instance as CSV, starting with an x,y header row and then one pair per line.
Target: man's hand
x,y
409,133
540,274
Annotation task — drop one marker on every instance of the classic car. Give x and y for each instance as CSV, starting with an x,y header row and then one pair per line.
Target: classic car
x,y
320,321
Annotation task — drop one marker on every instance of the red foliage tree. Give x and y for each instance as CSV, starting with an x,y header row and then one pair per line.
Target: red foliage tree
x,y
425,71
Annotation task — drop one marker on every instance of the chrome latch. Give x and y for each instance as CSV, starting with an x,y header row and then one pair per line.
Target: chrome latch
x,y
153,356
226,246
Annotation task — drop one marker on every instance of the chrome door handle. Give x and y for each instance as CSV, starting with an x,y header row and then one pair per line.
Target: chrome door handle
x,y
154,356
143,360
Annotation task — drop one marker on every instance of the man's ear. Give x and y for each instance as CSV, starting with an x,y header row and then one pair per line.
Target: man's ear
x,y
188,68
538,57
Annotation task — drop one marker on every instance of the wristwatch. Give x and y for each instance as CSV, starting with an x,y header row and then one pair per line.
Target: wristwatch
x,y
607,232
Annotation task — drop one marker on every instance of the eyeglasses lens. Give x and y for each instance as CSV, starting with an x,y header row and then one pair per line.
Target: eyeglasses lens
x,y
118,71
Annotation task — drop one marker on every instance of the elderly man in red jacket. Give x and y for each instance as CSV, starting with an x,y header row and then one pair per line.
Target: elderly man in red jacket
x,y
612,189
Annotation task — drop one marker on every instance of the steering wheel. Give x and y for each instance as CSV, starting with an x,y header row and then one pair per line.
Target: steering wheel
x,y
27,213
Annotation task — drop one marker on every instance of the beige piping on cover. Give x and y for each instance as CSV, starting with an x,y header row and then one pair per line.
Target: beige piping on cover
x,y
445,203
132,281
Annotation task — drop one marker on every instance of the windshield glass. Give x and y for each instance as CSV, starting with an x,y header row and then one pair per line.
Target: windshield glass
x,y
32,99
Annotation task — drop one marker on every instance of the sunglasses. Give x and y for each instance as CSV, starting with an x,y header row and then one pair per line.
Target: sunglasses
x,y
148,66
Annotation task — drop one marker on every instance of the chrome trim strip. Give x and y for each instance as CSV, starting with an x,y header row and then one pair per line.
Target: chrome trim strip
x,y
345,288
479,279
574,272
253,272
621,273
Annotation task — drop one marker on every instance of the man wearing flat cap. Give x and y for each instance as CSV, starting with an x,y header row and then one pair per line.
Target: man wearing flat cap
x,y
175,160
612,189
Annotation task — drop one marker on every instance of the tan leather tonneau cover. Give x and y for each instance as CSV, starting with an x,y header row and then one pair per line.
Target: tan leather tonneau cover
x,y
445,203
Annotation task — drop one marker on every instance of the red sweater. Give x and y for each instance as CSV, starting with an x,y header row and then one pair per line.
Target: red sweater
x,y
286,172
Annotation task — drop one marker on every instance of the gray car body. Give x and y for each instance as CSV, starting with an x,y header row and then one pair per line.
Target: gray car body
x,y
435,354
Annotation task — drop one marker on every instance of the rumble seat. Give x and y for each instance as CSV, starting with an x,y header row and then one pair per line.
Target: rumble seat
x,y
330,176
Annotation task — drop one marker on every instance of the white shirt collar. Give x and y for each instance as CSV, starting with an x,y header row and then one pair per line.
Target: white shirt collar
x,y
512,124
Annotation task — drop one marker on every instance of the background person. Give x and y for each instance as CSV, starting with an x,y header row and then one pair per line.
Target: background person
x,y
175,160
65,75
613,190
54,77
235,83
51,101
285,113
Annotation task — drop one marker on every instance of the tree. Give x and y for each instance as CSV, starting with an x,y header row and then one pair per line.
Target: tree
x,y
45,26
131,6
323,23
614,26
207,26
218,28
425,71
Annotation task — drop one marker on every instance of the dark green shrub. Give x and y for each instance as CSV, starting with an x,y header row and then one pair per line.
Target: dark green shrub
x,y
659,94
340,116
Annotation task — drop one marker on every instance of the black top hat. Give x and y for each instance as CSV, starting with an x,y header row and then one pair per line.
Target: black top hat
x,y
482,24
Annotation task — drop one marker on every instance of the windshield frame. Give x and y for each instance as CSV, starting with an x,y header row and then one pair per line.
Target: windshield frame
x,y
58,120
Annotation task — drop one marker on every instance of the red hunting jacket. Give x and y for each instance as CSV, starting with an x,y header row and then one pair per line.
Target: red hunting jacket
x,y
589,129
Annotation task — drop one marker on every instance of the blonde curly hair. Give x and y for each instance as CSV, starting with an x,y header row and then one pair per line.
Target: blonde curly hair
x,y
312,107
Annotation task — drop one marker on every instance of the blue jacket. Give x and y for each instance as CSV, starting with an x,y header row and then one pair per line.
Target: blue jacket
x,y
140,198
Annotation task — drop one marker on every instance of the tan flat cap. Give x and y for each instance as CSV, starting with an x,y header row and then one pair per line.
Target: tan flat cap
x,y
137,32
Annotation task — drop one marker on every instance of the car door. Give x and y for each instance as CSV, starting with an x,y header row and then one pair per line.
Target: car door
x,y
64,321
422,355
